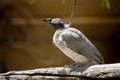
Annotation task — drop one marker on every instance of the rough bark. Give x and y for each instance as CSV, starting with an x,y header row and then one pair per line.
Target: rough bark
x,y
95,72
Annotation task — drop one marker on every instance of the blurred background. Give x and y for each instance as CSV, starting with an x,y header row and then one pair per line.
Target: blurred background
x,y
26,41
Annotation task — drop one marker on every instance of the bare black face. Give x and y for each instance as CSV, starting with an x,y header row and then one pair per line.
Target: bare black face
x,y
57,23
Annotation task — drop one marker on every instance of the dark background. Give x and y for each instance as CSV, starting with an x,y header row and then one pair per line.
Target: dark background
x,y
26,41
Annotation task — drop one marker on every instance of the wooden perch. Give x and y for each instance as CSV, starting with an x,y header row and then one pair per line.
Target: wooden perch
x,y
95,72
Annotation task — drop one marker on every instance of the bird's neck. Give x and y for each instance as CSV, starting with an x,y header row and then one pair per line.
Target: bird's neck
x,y
61,27
66,25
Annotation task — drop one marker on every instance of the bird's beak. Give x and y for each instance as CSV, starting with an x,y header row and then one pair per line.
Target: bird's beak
x,y
44,20
47,20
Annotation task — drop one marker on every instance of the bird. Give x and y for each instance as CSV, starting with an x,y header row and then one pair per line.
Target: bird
x,y
74,44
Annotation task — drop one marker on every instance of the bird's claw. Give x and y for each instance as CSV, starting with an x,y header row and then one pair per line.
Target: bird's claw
x,y
76,66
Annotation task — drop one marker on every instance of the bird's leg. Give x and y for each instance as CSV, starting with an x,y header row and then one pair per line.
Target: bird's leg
x,y
77,66
74,65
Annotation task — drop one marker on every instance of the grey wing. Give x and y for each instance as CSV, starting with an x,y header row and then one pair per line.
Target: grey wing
x,y
76,41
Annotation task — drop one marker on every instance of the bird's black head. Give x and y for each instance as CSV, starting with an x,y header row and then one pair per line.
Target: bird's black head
x,y
57,23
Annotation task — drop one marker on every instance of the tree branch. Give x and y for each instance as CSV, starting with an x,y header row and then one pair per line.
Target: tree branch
x,y
95,72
